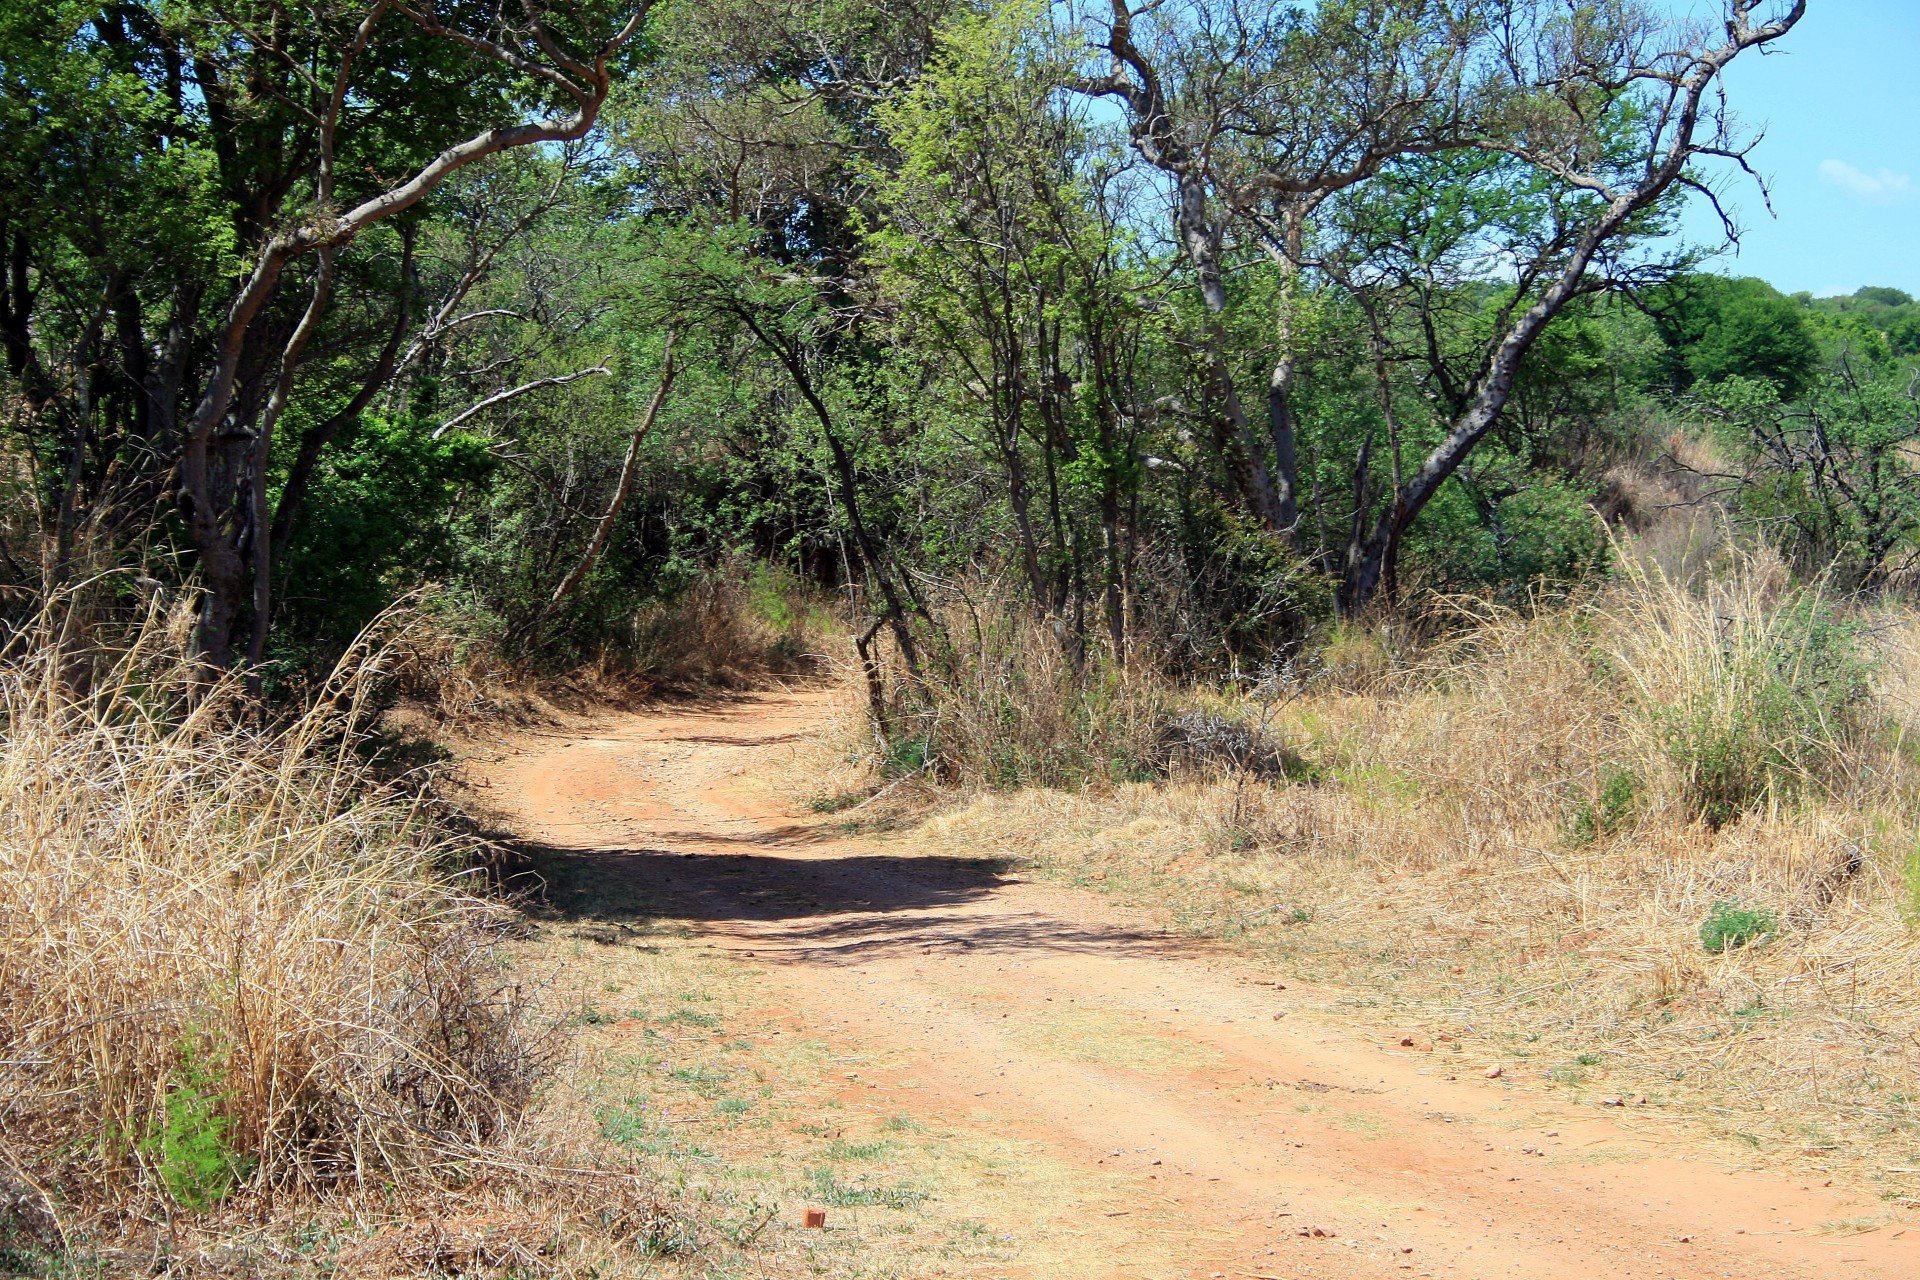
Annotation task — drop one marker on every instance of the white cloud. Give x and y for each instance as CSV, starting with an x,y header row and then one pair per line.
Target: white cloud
x,y
1883,187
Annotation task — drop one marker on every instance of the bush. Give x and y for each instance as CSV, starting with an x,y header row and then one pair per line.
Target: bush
x,y
232,961
1749,691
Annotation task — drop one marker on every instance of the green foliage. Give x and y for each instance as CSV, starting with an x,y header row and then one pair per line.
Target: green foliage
x,y
1903,335
189,1145
906,755
376,525
1730,924
827,1188
1611,811
1542,532
1718,328
1832,477
1755,334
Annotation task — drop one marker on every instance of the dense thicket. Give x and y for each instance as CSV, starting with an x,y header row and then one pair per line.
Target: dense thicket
x,y
1178,330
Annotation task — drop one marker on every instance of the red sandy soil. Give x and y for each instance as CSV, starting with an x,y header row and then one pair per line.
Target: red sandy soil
x,y
1411,1163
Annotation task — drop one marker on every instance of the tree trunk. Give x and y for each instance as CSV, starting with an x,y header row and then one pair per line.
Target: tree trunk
x,y
1233,435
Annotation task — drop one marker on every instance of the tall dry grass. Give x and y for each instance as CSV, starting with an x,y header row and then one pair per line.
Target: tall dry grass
x,y
232,964
1516,837
1004,702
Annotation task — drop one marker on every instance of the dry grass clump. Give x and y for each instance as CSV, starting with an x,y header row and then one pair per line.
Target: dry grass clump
x,y
732,628
231,966
1003,699
1522,837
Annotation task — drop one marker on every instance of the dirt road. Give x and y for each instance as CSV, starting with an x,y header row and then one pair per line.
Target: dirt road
x,y
1286,1143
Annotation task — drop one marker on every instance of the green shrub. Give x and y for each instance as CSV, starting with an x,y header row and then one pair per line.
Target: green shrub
x,y
1731,925
905,755
1593,818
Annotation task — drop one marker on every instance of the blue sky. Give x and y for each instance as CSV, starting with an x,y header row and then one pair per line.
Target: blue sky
x,y
1840,106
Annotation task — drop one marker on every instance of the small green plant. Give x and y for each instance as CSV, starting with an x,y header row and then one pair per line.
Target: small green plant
x,y
1729,925
840,1149
831,1191
190,1148
1593,818
835,803
592,1017
705,1080
630,1126
906,755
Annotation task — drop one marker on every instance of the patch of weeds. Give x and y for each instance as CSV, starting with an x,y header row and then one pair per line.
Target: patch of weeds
x,y
1588,1059
1594,818
1729,925
1773,712
706,1081
731,1106
1566,1075
901,1122
839,1149
829,1190
631,1127
906,755
691,1018
1358,1122
1378,783
592,1017
835,803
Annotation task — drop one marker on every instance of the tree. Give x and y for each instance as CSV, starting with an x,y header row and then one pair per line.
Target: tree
x,y
1263,118
212,149
1719,328
1830,474
999,250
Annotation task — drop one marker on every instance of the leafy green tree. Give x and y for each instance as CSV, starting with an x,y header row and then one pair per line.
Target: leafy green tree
x,y
1266,117
1718,328
214,150
1830,475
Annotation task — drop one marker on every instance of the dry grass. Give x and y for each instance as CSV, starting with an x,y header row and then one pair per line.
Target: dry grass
x,y
1462,846
1001,702
251,1019
744,626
